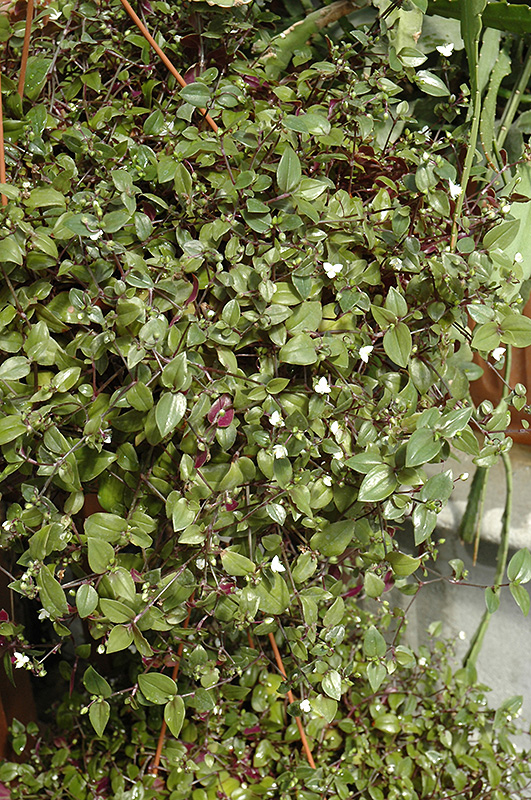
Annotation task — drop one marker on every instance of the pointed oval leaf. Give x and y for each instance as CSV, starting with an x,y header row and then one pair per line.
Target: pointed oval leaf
x,y
169,412
397,343
86,600
289,170
156,687
378,484
174,713
99,713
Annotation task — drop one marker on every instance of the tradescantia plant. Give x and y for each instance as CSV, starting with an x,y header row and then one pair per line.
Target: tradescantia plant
x,y
228,356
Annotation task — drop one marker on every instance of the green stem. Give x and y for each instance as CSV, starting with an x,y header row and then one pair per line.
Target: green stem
x,y
469,161
501,563
514,101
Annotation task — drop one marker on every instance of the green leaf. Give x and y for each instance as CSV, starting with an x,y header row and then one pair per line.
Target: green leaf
x,y
388,723
431,84
169,412
10,250
334,539
502,235
373,585
298,350
90,463
486,337
174,713
307,123
51,593
276,600
156,687
492,599
36,74
289,171
376,673
334,615
519,569
521,597
11,427
197,94
516,330
402,564
378,484
397,343
95,684
119,638
116,611
110,527
86,600
331,684
12,369
100,555
99,713
236,564
422,447
374,645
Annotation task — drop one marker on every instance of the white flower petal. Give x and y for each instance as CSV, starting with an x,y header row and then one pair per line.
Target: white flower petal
x,y
279,451
455,189
322,386
332,270
276,566
305,706
498,353
446,50
365,352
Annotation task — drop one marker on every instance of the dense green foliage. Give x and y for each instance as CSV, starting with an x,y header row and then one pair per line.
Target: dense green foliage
x,y
247,345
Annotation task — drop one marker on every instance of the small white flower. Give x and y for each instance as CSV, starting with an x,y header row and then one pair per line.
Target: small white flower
x,y
455,189
43,614
506,208
96,235
305,706
446,50
327,480
422,662
322,386
498,353
462,635
276,566
463,476
21,659
200,563
276,420
335,427
518,257
279,451
365,352
332,269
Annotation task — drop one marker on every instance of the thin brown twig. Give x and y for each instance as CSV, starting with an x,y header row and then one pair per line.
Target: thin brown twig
x,y
164,58
280,665
25,49
2,153
175,672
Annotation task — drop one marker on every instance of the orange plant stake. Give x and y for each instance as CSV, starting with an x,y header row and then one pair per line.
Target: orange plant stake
x,y
25,48
280,665
164,58
174,674
2,154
